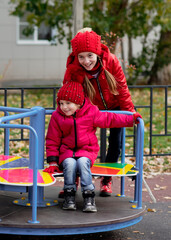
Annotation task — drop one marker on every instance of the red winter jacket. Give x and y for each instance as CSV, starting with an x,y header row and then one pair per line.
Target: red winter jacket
x,y
111,63
74,136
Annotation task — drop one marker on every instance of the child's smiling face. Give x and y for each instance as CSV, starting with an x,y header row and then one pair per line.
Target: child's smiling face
x,y
68,108
88,60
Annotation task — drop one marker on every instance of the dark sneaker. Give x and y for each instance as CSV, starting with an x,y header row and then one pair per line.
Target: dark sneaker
x,y
105,186
69,199
89,201
61,193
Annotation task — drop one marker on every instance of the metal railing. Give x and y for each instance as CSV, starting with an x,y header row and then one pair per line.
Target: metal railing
x,y
166,133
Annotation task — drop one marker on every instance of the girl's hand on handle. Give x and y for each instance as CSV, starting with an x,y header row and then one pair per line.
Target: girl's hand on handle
x,y
135,116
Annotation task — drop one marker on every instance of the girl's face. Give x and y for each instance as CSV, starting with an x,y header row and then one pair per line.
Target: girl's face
x,y
88,60
68,108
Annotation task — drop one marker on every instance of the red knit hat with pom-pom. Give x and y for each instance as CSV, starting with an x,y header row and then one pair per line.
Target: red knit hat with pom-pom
x,y
72,90
88,41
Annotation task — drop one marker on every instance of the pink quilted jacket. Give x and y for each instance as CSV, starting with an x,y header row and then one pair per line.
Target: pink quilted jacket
x,y
74,136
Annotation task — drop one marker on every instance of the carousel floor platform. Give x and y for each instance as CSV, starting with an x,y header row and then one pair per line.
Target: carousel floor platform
x,y
113,213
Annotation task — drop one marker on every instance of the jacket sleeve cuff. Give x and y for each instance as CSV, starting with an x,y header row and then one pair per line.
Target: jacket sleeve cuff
x,y
52,159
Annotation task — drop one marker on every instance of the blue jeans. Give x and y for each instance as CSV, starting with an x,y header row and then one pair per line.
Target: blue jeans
x,y
81,166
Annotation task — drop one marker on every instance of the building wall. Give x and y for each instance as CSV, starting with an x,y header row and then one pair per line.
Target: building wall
x,y
31,65
27,65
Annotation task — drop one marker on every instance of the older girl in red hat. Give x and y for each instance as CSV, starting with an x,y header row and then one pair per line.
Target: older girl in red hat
x,y
105,84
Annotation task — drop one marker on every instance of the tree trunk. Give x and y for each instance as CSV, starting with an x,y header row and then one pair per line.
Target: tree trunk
x,y
78,15
129,48
161,70
123,56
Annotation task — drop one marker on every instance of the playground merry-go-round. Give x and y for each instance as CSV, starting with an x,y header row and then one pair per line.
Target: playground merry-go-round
x,y
29,200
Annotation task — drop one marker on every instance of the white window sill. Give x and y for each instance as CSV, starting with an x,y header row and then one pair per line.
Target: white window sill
x,y
26,42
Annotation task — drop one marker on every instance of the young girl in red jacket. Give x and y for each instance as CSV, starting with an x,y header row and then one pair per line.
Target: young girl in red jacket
x,y
105,85
71,143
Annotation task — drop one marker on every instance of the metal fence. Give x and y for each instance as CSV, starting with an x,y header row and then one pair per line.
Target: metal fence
x,y
167,105
5,93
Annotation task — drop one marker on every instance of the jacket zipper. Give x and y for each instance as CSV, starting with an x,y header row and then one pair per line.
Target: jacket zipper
x,y
101,94
75,130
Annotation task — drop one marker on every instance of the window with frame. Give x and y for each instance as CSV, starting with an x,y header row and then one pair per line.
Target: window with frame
x,y
39,35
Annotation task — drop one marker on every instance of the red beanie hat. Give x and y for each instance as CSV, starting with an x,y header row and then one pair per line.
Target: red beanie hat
x,y
72,92
88,41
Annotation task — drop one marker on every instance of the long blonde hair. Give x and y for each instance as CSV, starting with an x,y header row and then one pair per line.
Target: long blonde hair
x,y
91,92
110,80
89,89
